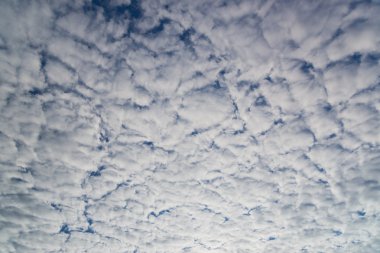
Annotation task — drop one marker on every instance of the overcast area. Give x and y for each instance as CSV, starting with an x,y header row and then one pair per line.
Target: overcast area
x,y
189,126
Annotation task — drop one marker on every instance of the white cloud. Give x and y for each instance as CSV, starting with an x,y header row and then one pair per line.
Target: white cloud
x,y
166,126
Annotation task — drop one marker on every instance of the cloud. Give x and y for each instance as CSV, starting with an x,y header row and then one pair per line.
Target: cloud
x,y
190,126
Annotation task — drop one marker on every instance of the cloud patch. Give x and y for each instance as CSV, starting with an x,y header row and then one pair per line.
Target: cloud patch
x,y
150,126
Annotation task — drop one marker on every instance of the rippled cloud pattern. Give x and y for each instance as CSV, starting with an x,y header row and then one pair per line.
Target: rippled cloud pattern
x,y
189,126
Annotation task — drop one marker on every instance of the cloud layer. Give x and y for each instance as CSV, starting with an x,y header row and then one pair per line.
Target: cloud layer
x,y
189,126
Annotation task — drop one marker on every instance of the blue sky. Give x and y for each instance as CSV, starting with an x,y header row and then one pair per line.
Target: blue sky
x,y
189,126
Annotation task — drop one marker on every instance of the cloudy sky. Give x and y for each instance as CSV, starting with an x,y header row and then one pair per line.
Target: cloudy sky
x,y
189,126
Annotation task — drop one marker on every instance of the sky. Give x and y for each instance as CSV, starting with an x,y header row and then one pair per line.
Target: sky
x,y
143,126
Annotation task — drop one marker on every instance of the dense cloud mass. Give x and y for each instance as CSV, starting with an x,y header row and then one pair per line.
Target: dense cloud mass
x,y
189,126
